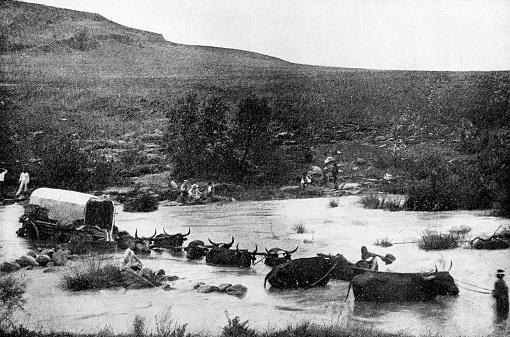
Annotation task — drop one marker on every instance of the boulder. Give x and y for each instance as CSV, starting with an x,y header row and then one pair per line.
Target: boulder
x,y
31,253
60,258
223,287
133,280
43,259
26,261
48,252
167,288
9,267
205,289
237,290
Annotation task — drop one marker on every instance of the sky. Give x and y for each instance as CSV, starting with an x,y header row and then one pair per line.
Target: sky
x,y
457,35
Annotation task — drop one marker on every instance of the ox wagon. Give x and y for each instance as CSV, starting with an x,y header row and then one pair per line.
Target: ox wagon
x,y
62,215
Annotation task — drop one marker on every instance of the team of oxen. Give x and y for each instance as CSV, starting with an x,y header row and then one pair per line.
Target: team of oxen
x,y
367,284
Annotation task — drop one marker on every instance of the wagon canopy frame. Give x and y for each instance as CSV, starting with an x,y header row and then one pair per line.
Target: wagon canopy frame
x,y
71,206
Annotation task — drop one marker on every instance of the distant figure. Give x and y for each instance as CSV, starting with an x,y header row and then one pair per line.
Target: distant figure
x,y
173,185
24,179
306,181
500,293
334,175
184,190
194,193
2,179
209,192
130,259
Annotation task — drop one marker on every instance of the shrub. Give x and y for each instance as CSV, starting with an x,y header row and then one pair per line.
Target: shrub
x,y
165,327
12,290
437,241
299,228
93,274
333,203
139,326
370,201
236,328
145,202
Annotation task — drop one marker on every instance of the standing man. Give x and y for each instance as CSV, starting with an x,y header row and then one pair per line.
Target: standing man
x,y
500,293
2,179
24,179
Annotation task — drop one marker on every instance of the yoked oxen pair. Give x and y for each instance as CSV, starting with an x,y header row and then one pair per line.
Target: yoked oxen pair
x,y
221,256
310,272
399,287
167,241
197,249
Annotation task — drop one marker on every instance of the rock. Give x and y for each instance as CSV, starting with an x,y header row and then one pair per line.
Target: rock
x,y
160,272
29,267
50,264
169,278
167,288
50,270
48,252
9,267
31,253
26,260
237,290
223,287
60,258
205,289
133,280
43,259
198,285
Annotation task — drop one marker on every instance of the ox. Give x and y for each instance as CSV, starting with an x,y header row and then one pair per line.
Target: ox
x,y
196,249
398,287
221,256
310,272
142,245
277,256
168,241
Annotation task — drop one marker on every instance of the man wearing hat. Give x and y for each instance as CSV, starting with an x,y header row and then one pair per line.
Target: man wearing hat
x,y
500,293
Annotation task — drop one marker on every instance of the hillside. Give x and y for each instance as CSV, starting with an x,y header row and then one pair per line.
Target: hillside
x,y
69,72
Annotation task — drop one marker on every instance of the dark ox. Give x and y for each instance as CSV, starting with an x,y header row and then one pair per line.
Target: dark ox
x,y
221,256
310,272
399,287
174,241
277,256
196,249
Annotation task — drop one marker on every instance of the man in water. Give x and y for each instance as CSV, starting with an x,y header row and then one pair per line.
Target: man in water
x,y
130,259
500,293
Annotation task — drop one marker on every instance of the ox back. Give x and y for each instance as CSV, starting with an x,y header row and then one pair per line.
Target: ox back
x,y
228,257
399,287
308,272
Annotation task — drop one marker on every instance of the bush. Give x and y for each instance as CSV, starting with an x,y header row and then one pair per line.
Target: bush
x,y
438,241
11,299
93,274
145,202
385,242
333,203
299,228
236,328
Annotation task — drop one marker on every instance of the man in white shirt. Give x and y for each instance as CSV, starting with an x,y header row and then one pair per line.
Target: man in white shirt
x,y
24,179
2,179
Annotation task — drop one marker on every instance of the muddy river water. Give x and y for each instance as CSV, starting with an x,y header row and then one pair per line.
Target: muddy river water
x,y
343,229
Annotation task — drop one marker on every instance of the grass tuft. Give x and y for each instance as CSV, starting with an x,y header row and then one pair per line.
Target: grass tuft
x,y
299,228
384,242
92,274
333,203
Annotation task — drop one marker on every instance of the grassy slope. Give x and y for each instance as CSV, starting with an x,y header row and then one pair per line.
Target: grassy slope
x,y
124,79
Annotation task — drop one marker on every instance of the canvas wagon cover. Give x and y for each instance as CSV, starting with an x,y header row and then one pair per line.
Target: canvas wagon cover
x,y
71,205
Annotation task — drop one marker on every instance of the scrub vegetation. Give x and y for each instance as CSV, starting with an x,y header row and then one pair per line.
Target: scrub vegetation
x,y
91,104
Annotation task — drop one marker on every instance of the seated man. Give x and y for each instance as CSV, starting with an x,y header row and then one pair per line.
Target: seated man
x,y
194,193
130,259
369,260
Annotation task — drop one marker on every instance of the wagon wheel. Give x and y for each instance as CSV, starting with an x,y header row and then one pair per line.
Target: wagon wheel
x,y
32,229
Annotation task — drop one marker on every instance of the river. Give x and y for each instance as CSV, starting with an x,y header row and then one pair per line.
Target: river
x,y
343,229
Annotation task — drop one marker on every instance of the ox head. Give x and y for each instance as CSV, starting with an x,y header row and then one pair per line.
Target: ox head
x,y
142,244
341,269
276,256
169,241
245,257
441,282
196,249
222,245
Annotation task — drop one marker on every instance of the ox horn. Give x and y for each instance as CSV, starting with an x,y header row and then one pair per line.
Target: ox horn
x,y
189,232
231,242
436,270
255,251
136,234
237,247
165,232
292,251
213,243
451,265
152,237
